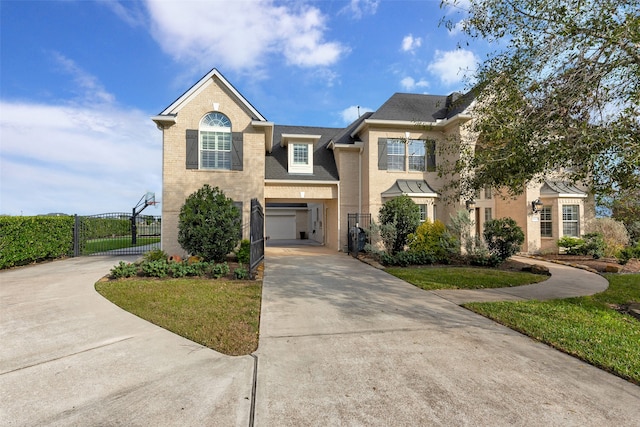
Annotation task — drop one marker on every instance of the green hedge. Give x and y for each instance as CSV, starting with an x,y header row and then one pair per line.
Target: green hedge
x,y
99,228
27,239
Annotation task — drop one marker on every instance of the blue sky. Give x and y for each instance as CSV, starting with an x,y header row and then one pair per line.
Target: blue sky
x,y
79,80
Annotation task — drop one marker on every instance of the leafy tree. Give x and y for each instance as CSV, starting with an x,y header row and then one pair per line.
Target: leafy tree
x,y
562,92
503,237
404,215
209,224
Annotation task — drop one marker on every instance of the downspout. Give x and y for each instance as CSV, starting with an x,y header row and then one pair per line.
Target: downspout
x,y
360,179
339,228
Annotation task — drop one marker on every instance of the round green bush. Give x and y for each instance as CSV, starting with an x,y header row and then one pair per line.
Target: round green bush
x,y
209,224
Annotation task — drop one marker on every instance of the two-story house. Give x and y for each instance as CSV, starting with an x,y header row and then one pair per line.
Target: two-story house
x,y
310,178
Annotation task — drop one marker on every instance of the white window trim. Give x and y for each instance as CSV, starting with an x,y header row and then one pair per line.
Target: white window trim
x,y
296,168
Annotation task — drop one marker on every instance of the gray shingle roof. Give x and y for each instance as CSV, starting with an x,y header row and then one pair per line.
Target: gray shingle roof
x,y
422,108
324,165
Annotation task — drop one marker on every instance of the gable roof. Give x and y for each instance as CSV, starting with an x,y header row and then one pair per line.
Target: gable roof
x,y
324,164
169,113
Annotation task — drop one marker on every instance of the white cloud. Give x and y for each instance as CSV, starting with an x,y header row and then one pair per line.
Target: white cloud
x,y
358,8
410,44
350,114
410,84
89,156
72,159
242,36
90,89
453,66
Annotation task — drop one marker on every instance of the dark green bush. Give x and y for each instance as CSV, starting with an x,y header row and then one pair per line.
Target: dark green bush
x,y
27,239
629,252
594,245
404,215
219,270
570,244
405,258
159,268
503,237
209,224
590,244
241,273
244,253
124,269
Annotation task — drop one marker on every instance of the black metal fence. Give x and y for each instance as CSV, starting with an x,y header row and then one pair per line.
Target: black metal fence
x,y
357,223
115,234
256,236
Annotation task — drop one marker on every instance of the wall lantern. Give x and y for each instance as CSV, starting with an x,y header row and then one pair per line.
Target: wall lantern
x,y
471,205
536,206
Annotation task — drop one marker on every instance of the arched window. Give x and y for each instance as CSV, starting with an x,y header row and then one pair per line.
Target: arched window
x,y
215,141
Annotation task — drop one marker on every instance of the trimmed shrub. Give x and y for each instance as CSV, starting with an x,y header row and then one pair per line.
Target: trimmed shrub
x,y
159,268
124,269
590,244
27,239
241,273
209,225
503,237
244,252
404,215
432,238
628,253
403,259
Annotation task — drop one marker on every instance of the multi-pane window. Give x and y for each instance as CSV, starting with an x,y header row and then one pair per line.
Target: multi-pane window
x,y
215,152
215,142
488,216
570,220
546,223
423,213
395,154
416,155
431,155
300,154
487,192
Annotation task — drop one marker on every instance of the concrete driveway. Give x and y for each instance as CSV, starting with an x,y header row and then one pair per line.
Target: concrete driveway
x,y
69,357
341,344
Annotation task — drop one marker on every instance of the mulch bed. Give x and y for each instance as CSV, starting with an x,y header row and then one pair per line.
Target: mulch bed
x,y
600,265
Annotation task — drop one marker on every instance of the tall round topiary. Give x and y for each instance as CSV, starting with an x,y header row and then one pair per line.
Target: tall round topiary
x,y
209,224
503,237
404,215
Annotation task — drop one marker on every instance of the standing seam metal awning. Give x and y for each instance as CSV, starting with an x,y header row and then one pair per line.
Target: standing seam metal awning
x,y
560,189
411,188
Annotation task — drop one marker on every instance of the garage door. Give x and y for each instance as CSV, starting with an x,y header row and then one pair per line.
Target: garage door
x,y
281,226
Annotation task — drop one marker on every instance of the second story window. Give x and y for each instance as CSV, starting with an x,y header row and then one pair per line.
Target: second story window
x,y
416,155
395,154
215,142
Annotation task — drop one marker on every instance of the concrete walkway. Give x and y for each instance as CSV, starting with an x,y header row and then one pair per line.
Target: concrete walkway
x,y
565,282
341,344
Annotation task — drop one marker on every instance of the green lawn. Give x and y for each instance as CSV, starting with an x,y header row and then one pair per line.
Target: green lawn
x,y
429,278
585,327
109,244
222,315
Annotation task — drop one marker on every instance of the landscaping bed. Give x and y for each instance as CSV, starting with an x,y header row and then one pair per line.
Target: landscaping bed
x,y
599,265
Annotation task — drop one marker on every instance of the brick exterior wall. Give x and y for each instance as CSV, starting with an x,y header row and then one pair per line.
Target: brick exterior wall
x,y
179,183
